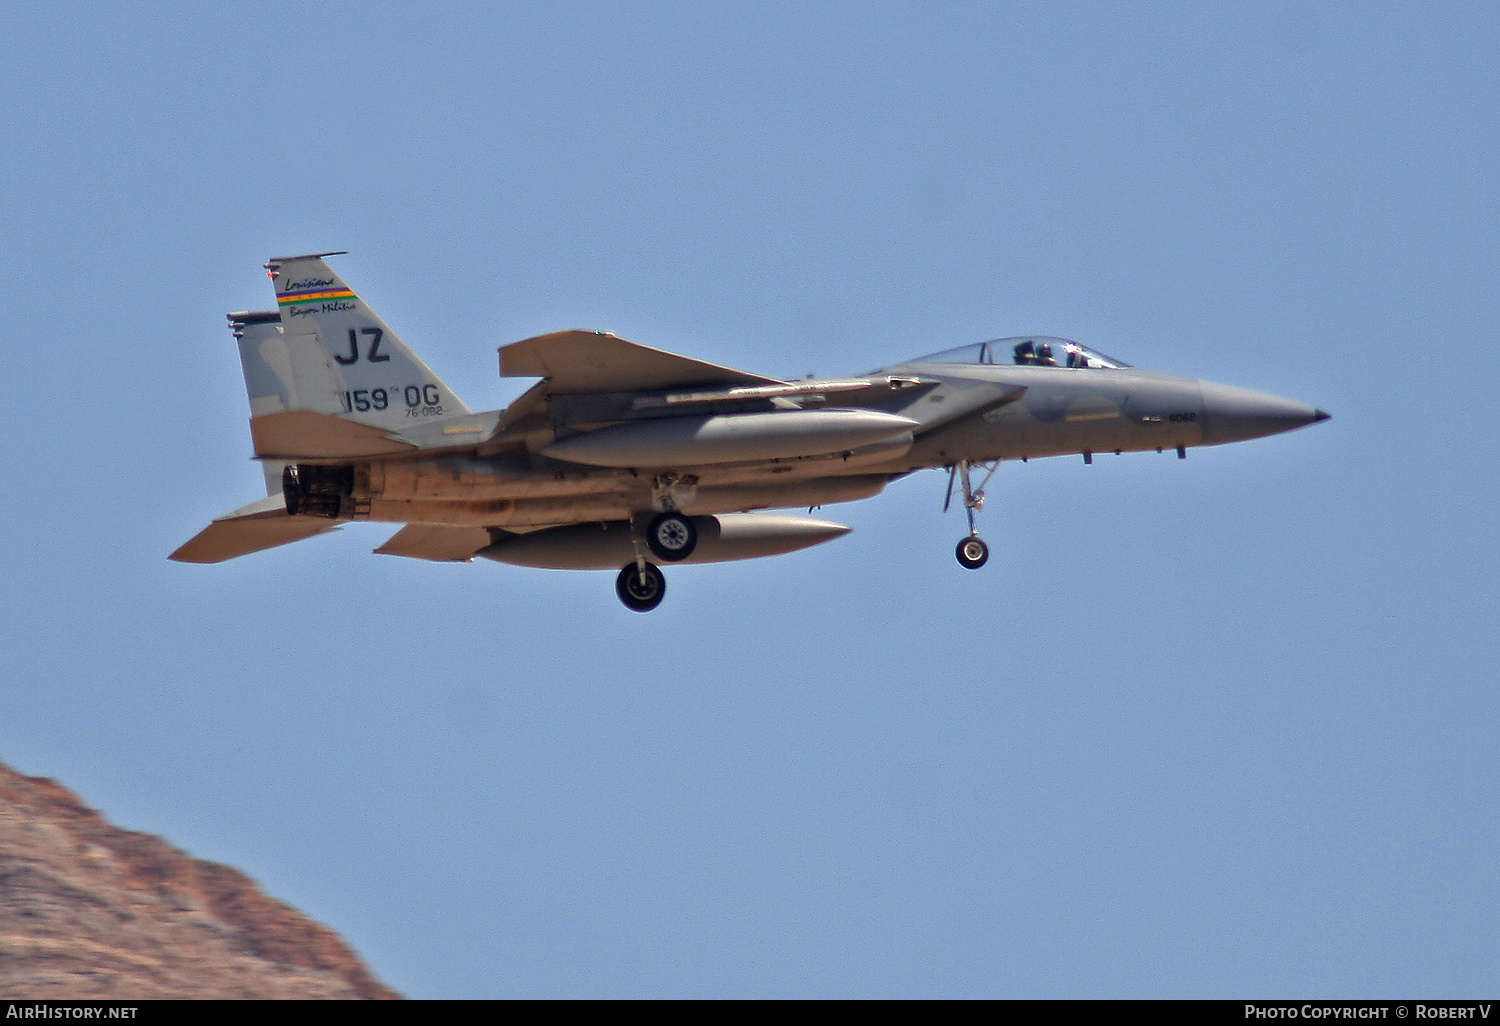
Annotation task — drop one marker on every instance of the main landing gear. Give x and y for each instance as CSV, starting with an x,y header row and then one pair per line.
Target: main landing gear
x,y
671,537
972,552
641,586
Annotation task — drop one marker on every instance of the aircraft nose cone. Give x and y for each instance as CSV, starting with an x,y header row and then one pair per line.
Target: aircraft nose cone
x,y
1235,414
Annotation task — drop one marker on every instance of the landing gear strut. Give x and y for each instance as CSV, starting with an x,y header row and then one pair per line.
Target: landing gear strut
x,y
670,536
972,552
641,585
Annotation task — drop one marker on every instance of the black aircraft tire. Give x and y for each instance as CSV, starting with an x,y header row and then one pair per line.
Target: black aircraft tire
x,y
972,553
637,594
672,537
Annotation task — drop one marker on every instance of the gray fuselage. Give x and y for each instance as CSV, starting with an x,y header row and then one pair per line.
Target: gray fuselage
x,y
956,412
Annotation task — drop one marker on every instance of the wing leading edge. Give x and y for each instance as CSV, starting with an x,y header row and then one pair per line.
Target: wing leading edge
x,y
596,361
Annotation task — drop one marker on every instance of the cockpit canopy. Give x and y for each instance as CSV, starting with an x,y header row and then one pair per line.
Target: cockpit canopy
x,y
1028,351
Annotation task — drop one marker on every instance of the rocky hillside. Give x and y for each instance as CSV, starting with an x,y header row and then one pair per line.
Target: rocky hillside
x,y
88,910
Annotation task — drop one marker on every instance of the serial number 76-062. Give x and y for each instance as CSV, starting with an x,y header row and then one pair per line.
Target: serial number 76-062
x,y
420,400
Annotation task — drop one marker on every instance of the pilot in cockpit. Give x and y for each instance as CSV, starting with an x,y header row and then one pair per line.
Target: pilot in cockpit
x,y
1032,353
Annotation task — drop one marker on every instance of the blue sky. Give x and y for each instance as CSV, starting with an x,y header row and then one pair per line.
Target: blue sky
x,y
1218,727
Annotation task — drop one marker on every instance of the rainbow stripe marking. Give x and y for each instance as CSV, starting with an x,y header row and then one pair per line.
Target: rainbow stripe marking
x,y
313,296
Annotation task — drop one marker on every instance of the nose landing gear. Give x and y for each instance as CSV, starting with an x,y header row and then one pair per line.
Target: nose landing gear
x,y
972,552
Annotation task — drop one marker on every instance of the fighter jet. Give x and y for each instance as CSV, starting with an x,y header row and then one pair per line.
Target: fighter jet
x,y
623,454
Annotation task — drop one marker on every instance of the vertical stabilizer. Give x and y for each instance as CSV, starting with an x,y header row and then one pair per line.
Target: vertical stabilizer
x,y
335,355
259,336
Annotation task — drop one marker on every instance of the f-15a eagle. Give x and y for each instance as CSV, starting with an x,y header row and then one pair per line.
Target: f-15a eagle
x,y
622,454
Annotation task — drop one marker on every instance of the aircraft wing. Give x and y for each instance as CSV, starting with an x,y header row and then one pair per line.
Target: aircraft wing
x,y
596,361
261,525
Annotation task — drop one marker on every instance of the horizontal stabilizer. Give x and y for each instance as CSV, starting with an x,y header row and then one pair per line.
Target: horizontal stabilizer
x,y
260,525
596,361
309,435
437,542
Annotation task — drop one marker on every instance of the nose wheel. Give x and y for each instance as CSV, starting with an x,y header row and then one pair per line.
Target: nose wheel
x,y
972,552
